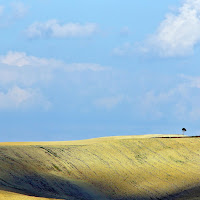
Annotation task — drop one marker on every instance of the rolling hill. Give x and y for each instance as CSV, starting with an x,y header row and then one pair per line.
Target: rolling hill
x,y
114,168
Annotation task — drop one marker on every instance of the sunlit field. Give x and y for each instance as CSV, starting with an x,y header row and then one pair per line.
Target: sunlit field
x,y
127,167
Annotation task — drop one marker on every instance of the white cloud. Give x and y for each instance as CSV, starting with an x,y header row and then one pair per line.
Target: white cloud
x,y
17,97
178,34
109,102
53,28
19,9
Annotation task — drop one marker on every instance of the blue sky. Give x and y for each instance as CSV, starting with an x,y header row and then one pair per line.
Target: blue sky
x,y
83,69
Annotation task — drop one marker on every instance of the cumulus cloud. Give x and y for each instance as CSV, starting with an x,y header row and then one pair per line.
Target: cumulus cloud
x,y
53,28
17,97
178,34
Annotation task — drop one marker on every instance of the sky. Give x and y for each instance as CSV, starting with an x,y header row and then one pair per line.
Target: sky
x,y
73,70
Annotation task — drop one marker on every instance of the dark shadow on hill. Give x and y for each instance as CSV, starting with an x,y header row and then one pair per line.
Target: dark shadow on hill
x,y
49,187
188,194
133,198
192,193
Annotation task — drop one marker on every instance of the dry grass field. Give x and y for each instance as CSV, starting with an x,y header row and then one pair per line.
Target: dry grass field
x,y
114,168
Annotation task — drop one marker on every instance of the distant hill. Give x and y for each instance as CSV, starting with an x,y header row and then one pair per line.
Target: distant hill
x,y
110,168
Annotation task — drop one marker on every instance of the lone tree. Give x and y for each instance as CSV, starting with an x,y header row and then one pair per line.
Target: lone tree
x,y
184,130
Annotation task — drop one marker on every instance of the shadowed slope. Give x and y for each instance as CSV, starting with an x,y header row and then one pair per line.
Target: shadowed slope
x,y
188,194
118,168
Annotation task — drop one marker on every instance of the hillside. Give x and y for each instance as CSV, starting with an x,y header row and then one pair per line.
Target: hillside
x,y
118,168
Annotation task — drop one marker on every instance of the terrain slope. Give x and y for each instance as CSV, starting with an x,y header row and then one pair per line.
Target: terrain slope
x,y
114,168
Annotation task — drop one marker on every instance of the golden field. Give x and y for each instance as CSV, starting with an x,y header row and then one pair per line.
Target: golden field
x,y
118,168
